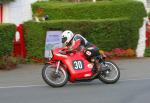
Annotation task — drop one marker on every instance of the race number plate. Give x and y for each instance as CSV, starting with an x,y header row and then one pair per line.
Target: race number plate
x,y
78,64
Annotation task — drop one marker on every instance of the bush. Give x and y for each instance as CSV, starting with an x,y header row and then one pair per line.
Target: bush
x,y
76,0
147,52
87,10
7,32
131,9
108,24
148,14
8,62
105,33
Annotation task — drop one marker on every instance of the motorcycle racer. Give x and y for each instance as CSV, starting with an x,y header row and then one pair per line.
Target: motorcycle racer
x,y
77,42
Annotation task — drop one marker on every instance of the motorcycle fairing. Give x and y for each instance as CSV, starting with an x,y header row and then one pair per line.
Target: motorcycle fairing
x,y
78,66
68,60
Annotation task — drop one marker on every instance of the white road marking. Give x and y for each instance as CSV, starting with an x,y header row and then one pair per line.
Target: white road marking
x,y
26,86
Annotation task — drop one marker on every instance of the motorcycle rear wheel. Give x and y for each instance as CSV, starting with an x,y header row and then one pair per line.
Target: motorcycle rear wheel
x,y
112,73
52,79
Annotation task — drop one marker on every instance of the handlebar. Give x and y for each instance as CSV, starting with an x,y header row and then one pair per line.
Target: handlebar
x,y
65,51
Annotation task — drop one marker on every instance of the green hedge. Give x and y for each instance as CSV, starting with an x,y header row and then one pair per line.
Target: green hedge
x,y
131,9
88,10
7,32
108,24
106,33
74,0
147,52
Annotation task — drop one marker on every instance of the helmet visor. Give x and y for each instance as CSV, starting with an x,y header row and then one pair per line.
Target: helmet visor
x,y
64,39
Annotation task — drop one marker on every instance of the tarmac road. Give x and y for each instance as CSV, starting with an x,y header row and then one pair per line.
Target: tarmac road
x,y
24,85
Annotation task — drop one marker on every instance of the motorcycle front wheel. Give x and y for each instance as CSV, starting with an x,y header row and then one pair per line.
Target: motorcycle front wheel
x,y
51,78
110,72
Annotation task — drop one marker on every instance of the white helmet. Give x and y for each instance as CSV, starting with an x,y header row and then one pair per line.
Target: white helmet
x,y
67,36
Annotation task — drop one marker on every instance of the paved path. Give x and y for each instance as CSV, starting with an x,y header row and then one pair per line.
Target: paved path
x,y
31,74
135,91
24,85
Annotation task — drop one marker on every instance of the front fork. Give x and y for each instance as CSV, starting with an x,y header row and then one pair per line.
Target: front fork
x,y
102,62
105,67
58,65
101,59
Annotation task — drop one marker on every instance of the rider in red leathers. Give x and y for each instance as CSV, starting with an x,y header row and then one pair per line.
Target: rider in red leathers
x,y
77,42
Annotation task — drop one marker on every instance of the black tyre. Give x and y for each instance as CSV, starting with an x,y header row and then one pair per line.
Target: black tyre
x,y
49,76
111,73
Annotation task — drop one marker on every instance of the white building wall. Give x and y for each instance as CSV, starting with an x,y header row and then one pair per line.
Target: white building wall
x,y
142,33
18,11
144,1
146,4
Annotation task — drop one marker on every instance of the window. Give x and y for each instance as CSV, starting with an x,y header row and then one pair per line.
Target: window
x,y
148,3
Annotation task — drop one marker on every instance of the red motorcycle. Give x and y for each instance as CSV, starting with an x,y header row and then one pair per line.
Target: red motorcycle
x,y
73,66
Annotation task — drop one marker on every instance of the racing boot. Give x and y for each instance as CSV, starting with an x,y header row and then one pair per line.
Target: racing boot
x,y
98,67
